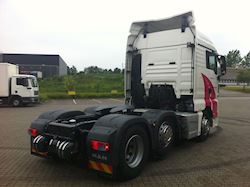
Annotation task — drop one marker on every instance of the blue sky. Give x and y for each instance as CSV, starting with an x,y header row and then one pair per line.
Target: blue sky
x,y
94,32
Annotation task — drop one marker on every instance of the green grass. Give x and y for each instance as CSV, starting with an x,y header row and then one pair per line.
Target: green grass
x,y
86,86
238,89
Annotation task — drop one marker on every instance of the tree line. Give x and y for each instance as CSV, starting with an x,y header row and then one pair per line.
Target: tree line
x,y
234,59
93,70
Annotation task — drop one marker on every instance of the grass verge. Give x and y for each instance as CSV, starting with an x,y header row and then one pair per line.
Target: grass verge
x,y
238,89
102,85
61,95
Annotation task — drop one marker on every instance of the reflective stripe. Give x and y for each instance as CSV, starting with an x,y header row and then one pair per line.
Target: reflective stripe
x,y
94,165
100,167
106,168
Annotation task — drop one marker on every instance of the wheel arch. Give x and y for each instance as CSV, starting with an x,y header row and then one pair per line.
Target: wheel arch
x,y
117,125
13,97
208,111
156,117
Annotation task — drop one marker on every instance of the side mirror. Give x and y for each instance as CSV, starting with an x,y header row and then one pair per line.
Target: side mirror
x,y
218,69
223,65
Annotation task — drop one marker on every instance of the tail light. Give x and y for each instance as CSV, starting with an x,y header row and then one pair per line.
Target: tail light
x,y
99,146
33,132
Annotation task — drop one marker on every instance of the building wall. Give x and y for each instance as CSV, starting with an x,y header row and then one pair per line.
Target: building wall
x,y
62,67
49,65
231,76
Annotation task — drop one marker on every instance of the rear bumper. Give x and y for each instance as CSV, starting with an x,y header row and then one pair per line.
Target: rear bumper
x,y
43,147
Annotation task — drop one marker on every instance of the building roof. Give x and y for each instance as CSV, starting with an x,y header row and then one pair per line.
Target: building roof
x,y
34,59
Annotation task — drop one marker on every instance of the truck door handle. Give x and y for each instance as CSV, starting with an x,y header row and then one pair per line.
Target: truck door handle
x,y
29,88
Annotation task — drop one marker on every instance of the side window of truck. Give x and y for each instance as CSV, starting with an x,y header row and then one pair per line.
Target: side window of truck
x,y
211,61
22,81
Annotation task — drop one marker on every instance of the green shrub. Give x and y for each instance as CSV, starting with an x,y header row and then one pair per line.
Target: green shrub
x,y
86,86
238,88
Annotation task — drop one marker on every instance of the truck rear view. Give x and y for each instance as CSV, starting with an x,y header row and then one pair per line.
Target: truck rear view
x,y
170,95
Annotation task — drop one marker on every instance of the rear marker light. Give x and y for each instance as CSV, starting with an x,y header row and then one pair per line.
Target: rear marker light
x,y
99,146
33,132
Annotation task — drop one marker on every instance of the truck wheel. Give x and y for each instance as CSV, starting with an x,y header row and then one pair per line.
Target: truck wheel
x,y
16,102
133,153
165,138
206,124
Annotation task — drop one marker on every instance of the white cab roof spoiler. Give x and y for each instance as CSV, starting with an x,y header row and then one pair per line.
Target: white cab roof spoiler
x,y
175,22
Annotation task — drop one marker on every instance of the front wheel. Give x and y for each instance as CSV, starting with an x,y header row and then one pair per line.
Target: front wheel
x,y
206,124
16,102
133,153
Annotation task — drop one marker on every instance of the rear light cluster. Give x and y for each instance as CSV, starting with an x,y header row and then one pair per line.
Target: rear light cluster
x,y
33,132
100,146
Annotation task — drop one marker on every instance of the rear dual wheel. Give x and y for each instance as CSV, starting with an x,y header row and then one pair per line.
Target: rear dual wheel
x,y
133,153
166,133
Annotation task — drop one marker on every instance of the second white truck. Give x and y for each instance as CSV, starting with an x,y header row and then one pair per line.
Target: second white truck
x,y
16,89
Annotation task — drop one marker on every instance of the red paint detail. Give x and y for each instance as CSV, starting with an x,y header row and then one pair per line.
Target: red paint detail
x,y
210,96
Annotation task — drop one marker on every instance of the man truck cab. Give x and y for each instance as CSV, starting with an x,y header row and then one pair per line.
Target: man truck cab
x,y
17,89
171,54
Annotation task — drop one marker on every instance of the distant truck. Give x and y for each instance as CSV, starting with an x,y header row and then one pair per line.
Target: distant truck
x,y
15,89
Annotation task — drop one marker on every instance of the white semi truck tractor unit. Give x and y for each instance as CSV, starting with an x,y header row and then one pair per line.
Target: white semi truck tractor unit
x,y
171,89
17,89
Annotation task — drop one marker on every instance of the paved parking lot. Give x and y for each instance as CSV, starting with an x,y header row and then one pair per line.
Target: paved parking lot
x,y
224,159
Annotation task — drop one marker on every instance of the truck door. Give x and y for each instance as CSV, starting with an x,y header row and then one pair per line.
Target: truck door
x,y
210,82
21,86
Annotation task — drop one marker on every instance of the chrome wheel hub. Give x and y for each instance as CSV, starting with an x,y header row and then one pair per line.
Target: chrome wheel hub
x,y
165,134
205,126
134,151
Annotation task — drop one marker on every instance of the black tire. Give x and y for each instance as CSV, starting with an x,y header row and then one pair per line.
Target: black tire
x,y
165,135
16,102
206,124
131,167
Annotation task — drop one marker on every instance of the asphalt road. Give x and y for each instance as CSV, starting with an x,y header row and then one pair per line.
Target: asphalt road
x,y
224,159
